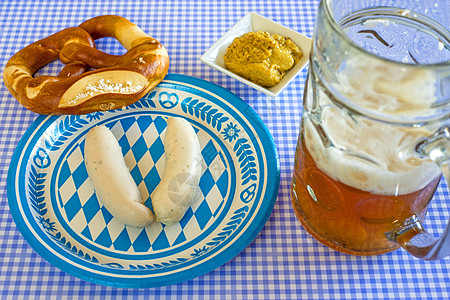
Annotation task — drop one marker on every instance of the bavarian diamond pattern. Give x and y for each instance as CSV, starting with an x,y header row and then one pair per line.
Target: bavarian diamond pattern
x,y
142,141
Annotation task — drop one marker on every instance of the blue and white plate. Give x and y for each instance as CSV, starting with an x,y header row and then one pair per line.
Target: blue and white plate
x,y
56,209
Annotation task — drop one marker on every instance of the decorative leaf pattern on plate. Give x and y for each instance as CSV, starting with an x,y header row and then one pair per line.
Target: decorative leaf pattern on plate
x,y
161,265
231,226
37,199
36,191
203,111
66,128
246,160
145,102
66,244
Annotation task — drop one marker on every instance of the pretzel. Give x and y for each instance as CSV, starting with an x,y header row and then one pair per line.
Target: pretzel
x,y
115,81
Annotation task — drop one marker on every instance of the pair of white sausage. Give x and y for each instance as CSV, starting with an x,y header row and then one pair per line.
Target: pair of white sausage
x,y
112,181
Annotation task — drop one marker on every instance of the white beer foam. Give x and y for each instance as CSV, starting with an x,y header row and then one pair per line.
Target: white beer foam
x,y
368,155
387,88
379,169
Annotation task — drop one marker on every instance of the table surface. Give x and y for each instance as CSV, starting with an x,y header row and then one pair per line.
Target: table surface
x,y
283,262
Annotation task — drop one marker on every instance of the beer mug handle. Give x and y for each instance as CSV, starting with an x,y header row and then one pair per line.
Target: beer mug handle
x,y
413,237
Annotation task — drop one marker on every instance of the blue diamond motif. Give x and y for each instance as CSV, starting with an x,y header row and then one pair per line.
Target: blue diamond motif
x,y
222,183
187,216
180,238
91,208
139,148
152,180
206,182
136,174
104,238
157,149
144,122
123,241
203,214
124,144
148,203
160,124
142,243
64,173
87,233
79,175
161,242
107,216
127,123
72,206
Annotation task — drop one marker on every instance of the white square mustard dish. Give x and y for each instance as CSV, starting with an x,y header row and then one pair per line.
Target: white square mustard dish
x,y
254,22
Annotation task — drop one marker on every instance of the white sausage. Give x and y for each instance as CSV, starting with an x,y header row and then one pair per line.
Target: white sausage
x,y
112,180
179,186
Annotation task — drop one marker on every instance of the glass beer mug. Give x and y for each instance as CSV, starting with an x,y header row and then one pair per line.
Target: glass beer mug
x,y
374,139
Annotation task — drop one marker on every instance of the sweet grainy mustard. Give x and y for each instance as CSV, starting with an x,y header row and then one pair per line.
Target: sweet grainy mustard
x,y
262,57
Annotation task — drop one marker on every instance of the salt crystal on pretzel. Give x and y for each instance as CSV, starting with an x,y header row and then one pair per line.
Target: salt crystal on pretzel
x,y
115,82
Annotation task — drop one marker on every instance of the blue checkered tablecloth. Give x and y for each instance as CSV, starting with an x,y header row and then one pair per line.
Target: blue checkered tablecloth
x,y
283,262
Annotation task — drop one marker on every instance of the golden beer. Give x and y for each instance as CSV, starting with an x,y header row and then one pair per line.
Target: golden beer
x,y
347,219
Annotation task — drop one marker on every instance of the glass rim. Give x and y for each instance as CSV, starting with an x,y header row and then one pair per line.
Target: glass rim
x,y
338,29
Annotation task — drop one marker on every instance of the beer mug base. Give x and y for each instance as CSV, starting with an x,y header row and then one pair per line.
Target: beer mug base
x,y
349,220
325,241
